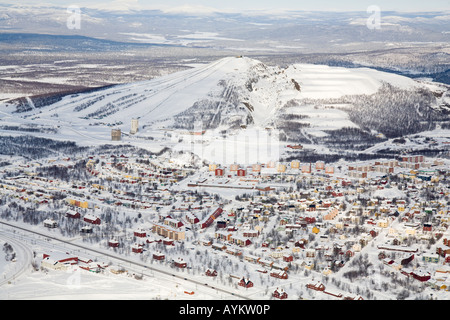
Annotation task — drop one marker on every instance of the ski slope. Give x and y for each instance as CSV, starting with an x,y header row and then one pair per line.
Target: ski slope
x,y
235,86
324,82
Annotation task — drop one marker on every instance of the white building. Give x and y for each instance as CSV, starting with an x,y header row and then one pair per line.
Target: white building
x,y
134,126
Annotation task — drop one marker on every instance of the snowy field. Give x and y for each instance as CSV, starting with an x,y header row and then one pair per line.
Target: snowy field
x,y
82,285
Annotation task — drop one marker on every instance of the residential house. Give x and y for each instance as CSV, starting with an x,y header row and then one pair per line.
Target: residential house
x,y
140,233
240,240
430,257
251,258
223,235
421,275
280,294
136,248
50,223
73,214
180,263
246,283
159,256
279,274
89,218
169,232
211,273
113,243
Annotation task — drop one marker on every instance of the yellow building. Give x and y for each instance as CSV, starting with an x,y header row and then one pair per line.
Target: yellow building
x,y
168,231
327,271
383,223
309,265
295,164
116,134
78,203
296,249
97,186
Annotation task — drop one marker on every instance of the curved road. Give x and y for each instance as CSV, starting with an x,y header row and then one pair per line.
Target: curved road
x,y
24,256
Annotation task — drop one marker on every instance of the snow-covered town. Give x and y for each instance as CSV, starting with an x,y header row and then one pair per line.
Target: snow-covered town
x,y
362,230
213,151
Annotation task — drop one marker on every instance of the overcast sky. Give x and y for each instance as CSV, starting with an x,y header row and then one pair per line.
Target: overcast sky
x,y
241,5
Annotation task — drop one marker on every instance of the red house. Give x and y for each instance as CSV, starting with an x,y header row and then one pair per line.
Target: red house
x,y
168,242
211,273
280,294
73,215
246,283
421,275
91,219
241,173
240,241
180,263
407,260
310,220
137,249
219,172
173,223
113,243
159,256
62,258
140,233
349,253
288,258
279,275
300,243
222,224
192,218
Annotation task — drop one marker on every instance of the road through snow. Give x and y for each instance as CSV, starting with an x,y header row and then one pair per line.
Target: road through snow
x,y
23,258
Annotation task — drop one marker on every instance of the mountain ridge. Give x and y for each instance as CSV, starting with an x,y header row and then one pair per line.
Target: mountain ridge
x,y
305,103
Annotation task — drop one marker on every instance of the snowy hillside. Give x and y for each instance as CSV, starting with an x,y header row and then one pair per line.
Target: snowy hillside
x,y
324,82
303,101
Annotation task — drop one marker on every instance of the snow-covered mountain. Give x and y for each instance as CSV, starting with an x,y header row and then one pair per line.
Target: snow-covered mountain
x,y
236,87
305,102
